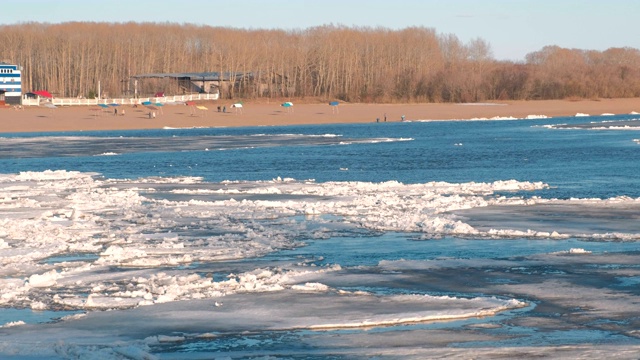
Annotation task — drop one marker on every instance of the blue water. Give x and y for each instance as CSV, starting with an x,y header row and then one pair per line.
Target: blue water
x,y
575,163
367,251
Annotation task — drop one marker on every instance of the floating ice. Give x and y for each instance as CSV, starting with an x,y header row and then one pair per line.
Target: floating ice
x,y
144,240
13,323
631,124
146,224
532,117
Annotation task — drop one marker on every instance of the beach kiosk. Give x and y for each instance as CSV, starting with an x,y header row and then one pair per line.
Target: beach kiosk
x,y
10,84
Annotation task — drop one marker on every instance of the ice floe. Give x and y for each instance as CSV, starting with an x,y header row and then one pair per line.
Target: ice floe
x,y
144,225
76,241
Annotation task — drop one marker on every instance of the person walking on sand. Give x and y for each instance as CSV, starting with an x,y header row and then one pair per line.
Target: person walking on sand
x,y
115,112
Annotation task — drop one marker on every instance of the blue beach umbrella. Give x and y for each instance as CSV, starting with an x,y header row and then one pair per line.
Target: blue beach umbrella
x,y
334,106
287,105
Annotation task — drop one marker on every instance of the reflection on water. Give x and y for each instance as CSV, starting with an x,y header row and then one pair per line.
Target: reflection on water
x,y
574,299
29,316
71,257
577,218
80,146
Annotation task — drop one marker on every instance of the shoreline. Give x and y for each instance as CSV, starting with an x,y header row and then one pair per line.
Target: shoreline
x,y
91,118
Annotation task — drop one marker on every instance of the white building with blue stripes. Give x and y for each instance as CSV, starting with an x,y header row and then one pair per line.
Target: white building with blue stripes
x,y
10,84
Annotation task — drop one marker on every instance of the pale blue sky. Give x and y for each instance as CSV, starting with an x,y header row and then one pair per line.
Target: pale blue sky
x,y
512,27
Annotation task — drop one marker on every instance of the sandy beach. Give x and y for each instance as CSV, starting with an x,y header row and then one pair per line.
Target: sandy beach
x,y
86,118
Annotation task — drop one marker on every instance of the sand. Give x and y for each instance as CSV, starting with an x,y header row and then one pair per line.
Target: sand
x,y
86,118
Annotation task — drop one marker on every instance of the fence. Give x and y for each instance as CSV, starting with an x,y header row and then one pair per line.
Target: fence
x,y
121,101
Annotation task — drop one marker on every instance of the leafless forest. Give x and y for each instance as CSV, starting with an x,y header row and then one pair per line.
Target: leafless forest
x,y
329,62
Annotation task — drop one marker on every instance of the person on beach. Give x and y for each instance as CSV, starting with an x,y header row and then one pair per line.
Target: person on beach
x,y
115,112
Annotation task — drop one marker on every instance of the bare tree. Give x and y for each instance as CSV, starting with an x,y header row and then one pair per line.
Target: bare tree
x,y
361,64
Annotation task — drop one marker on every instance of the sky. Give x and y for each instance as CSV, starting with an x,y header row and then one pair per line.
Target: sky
x,y
513,28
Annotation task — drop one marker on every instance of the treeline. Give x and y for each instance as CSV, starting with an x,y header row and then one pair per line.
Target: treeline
x,y
328,62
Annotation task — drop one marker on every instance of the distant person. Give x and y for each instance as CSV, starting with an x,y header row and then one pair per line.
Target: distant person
x,y
224,109
402,117
115,112
385,117
218,108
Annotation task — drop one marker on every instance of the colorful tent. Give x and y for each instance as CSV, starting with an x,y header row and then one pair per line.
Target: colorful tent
x,y
334,107
43,93
288,106
237,107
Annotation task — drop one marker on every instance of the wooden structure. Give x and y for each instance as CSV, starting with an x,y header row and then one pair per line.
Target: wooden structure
x,y
193,82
